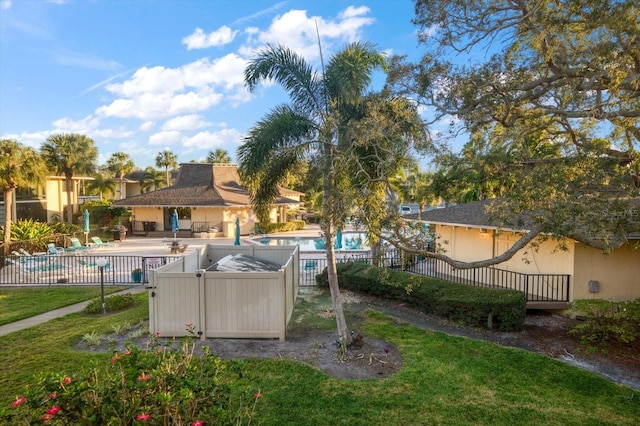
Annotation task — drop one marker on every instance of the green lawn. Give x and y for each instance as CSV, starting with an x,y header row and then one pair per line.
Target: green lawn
x,y
20,303
444,380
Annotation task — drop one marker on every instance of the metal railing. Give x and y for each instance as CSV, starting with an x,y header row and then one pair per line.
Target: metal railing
x,y
537,287
82,269
76,269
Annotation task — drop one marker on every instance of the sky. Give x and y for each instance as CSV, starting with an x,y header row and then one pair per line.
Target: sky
x,y
142,76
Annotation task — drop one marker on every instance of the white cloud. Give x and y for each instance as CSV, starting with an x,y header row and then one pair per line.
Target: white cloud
x,y
165,138
186,122
206,140
199,40
84,125
298,31
147,126
77,59
5,4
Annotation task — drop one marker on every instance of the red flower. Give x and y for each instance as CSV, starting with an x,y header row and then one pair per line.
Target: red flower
x,y
198,423
47,417
157,334
189,324
144,377
144,417
113,359
53,395
66,380
18,401
127,352
257,395
53,410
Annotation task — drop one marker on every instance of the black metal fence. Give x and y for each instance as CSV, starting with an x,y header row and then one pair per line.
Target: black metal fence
x,y
78,269
84,269
537,287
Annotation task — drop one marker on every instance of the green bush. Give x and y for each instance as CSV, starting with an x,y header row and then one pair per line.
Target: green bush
x,y
160,386
478,306
606,321
112,303
267,228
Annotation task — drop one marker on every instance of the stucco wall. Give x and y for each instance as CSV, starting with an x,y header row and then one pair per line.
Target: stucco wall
x,y
618,273
149,214
472,244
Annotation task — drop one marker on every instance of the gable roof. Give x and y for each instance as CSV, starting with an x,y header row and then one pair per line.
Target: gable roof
x,y
474,215
200,185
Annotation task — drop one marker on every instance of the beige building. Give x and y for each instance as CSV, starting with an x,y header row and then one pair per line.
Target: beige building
x,y
208,198
465,234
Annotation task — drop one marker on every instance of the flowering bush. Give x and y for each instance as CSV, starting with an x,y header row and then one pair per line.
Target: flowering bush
x,y
159,386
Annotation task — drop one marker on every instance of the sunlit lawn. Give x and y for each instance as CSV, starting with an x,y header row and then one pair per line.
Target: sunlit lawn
x,y
444,380
20,303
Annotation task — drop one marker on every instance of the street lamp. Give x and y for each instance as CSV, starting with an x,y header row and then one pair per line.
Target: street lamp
x,y
101,262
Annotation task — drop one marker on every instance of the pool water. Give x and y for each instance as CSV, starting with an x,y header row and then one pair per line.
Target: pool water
x,y
349,241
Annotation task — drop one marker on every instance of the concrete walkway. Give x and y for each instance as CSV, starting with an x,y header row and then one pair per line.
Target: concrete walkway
x,y
56,313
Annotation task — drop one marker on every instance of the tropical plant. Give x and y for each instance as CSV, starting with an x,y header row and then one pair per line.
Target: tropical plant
x,y
19,166
315,124
120,164
68,154
218,156
102,185
167,160
152,179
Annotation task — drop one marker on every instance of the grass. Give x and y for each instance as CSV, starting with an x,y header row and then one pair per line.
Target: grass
x,y
444,379
20,303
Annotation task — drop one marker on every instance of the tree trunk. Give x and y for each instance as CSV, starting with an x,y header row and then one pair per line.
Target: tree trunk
x,y
69,184
8,211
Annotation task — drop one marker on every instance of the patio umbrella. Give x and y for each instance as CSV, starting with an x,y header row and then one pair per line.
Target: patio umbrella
x,y
338,243
236,242
174,223
86,226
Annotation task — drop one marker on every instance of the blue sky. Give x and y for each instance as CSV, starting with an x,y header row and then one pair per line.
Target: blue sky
x,y
141,76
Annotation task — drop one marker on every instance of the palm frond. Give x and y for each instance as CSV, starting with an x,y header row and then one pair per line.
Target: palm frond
x,y
284,66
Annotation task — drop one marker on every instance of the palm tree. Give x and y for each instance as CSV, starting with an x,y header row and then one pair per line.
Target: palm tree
x,y
19,166
68,154
279,143
151,179
102,185
167,159
120,164
218,156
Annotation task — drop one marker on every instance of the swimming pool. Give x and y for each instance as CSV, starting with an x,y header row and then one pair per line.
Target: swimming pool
x,y
349,241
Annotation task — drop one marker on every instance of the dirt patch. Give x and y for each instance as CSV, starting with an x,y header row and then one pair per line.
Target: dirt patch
x,y
312,339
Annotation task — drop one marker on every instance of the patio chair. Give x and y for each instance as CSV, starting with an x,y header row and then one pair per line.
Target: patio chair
x,y
76,245
99,243
53,250
34,267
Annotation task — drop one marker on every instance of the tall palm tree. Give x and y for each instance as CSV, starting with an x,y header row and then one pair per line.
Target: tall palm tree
x,y
151,179
309,125
68,154
120,164
218,156
19,166
167,160
103,185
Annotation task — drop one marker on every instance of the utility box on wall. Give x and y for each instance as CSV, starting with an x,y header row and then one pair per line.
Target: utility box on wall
x,y
594,286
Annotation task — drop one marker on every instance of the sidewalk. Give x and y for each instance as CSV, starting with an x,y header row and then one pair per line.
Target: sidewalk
x,y
57,313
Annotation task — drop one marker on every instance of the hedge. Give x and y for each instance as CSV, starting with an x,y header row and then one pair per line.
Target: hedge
x,y
503,310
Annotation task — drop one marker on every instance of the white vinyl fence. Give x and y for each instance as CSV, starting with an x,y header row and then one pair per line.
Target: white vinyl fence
x,y
224,304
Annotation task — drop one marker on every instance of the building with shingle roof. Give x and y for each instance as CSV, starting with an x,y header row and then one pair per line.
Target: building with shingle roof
x,y
207,197
466,233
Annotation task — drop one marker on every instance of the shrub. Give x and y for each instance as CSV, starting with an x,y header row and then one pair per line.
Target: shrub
x,y
606,321
293,225
479,306
112,303
170,386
